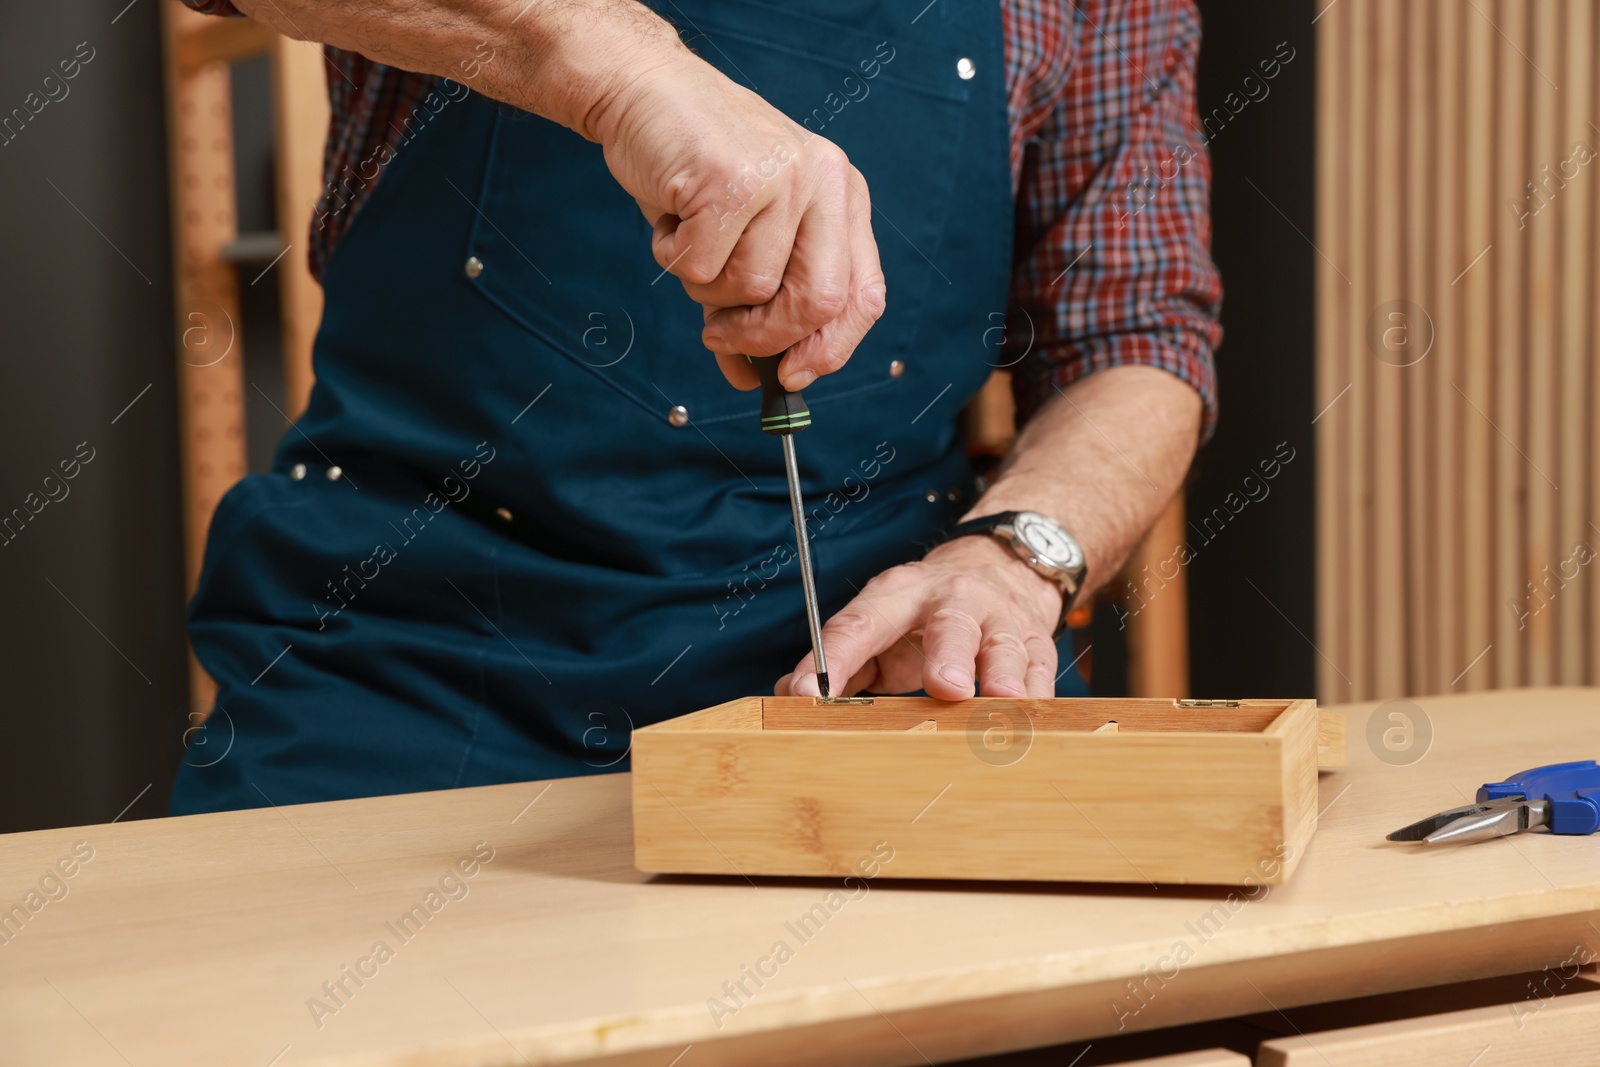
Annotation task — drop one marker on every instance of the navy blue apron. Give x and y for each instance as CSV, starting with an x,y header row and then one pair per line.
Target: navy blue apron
x,y
524,512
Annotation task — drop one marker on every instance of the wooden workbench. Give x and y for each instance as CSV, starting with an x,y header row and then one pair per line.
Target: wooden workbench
x,y
207,940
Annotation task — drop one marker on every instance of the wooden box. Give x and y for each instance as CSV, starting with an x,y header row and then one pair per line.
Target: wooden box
x,y
1090,790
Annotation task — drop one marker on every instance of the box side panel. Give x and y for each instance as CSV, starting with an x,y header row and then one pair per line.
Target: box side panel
x,y
1300,734
1056,806
702,771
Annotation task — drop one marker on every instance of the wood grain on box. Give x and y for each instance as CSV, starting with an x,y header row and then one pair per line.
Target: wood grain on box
x,y
993,789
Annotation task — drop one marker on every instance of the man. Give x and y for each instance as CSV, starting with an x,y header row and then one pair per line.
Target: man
x,y
523,515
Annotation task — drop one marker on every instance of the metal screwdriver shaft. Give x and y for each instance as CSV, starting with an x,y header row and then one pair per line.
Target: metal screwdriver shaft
x,y
783,413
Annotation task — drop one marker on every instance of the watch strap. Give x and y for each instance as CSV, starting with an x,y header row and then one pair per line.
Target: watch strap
x,y
983,524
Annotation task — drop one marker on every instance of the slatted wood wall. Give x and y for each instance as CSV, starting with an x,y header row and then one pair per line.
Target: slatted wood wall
x,y
1457,495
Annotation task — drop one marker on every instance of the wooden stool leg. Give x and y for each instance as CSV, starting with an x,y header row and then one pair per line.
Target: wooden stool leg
x,y
1158,634
300,122
206,287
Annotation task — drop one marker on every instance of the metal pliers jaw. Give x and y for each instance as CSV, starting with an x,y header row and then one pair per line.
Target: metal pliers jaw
x,y
1565,798
1477,822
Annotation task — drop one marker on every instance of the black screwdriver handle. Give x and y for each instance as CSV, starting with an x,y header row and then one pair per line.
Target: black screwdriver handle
x,y
782,412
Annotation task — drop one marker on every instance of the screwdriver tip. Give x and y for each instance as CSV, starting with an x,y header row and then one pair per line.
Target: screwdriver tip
x,y
822,684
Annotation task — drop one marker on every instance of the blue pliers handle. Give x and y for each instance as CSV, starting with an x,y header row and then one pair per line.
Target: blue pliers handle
x,y
1563,796
1571,789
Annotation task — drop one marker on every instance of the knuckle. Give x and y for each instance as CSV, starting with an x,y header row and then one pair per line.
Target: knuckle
x,y
963,585
751,287
832,357
678,188
851,625
1040,648
1005,642
951,618
822,303
873,298
694,271
858,181
895,579
832,163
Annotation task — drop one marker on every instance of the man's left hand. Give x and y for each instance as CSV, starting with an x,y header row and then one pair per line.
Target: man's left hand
x,y
970,613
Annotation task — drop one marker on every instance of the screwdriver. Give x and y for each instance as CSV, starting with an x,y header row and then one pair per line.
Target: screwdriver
x,y
783,413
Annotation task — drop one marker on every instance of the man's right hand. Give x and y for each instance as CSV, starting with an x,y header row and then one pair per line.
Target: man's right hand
x,y
768,226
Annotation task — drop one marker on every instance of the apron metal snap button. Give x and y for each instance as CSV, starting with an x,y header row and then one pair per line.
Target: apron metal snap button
x,y
897,367
965,68
475,265
335,473
298,471
503,513
679,415
933,497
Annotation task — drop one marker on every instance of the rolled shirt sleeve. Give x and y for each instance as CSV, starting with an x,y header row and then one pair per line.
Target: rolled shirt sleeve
x,y
1113,264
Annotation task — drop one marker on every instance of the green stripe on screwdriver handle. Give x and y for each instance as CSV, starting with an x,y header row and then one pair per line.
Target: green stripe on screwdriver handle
x,y
782,412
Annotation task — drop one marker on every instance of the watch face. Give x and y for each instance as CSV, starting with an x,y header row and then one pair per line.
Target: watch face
x,y
1048,540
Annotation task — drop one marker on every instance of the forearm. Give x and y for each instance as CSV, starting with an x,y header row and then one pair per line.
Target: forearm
x,y
562,59
1102,458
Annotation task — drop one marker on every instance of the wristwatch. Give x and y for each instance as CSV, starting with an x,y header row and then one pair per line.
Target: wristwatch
x,y
1043,544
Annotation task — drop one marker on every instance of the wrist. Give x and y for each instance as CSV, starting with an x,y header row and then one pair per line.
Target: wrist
x,y
594,58
1024,494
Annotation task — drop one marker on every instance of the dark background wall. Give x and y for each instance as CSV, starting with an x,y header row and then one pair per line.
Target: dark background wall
x,y
1252,586
92,659
91,663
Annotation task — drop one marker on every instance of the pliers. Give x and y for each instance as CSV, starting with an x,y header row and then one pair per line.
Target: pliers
x,y
1563,796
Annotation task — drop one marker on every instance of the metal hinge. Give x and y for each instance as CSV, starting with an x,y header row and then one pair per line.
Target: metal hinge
x,y
1208,703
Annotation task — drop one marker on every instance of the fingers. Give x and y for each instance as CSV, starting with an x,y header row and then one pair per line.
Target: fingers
x,y
754,272
985,638
695,248
830,347
767,225
951,640
1040,680
815,288
819,315
736,368
1004,659
955,627
793,269
803,681
738,371
879,616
